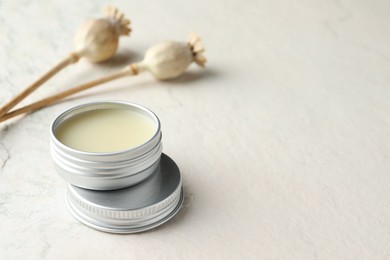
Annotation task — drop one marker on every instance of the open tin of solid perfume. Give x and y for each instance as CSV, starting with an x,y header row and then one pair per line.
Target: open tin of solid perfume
x,y
106,145
110,153
134,209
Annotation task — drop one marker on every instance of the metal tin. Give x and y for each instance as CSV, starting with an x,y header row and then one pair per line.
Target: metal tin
x,y
133,209
106,171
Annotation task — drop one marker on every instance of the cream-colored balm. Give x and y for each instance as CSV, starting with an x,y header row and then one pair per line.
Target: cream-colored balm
x,y
106,130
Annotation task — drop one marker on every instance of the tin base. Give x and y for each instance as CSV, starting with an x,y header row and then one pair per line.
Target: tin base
x,y
135,209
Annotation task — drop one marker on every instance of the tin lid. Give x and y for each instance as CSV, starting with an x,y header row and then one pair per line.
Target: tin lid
x,y
133,209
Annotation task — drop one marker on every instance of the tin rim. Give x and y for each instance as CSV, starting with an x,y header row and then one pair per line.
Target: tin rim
x,y
100,105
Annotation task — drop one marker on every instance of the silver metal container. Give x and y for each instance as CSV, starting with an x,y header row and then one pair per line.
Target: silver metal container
x,y
106,171
133,209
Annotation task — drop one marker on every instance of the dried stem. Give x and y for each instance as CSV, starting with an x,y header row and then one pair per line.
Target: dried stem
x,y
70,59
128,71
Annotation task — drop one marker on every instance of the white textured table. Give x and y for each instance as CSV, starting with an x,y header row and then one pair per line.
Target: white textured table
x,y
283,140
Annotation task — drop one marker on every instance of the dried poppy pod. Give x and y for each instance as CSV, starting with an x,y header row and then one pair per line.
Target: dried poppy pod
x,y
168,60
96,40
165,60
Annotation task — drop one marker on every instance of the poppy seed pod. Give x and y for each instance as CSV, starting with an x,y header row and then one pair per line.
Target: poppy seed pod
x,y
97,39
168,60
